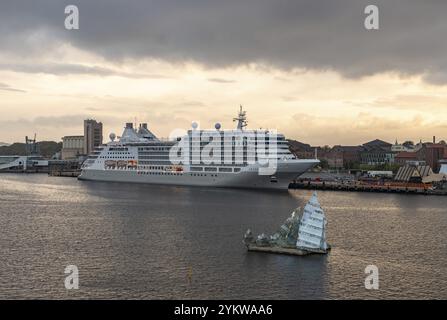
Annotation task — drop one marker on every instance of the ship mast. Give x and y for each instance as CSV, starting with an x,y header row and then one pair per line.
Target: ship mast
x,y
241,119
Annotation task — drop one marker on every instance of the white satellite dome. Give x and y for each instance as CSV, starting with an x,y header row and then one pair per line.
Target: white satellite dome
x,y
194,125
112,136
217,126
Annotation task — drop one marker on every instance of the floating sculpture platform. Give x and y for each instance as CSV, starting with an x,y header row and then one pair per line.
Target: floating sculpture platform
x,y
303,233
289,251
281,250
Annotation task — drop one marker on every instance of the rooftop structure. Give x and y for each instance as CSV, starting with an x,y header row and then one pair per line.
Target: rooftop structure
x,y
411,173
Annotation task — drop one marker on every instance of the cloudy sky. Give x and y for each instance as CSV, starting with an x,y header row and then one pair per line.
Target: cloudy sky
x,y
308,68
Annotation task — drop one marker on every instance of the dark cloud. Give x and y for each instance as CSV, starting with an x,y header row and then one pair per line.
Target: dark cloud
x,y
72,68
317,34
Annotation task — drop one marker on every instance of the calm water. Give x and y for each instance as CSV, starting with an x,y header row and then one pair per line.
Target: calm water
x,y
138,241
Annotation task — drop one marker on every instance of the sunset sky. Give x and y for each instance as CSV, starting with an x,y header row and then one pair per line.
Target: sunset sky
x,y
307,68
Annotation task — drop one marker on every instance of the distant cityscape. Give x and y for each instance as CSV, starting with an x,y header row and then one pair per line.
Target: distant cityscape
x,y
49,156
376,154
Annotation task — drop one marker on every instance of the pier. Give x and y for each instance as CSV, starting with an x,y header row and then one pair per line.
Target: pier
x,y
408,188
63,173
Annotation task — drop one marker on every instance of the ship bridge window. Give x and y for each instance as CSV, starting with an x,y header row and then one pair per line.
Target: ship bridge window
x,y
212,169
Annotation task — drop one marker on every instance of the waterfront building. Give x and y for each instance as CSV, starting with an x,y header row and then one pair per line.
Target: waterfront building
x,y
377,152
33,163
334,159
405,147
403,158
301,150
350,155
13,163
432,153
92,135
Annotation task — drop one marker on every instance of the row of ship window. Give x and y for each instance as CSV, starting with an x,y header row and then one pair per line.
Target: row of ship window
x,y
150,149
215,169
118,149
175,174
222,154
238,139
116,157
155,149
194,169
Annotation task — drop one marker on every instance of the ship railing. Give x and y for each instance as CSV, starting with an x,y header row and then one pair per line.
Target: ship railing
x,y
165,139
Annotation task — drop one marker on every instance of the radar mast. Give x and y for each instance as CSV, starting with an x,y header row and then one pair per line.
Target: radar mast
x,y
241,119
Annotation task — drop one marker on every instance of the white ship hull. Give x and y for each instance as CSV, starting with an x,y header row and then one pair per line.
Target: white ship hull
x,y
248,178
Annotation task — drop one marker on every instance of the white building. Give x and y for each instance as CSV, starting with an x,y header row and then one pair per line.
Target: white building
x,y
443,169
397,147
72,147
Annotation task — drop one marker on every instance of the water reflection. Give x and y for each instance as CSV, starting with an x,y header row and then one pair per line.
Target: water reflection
x,y
143,241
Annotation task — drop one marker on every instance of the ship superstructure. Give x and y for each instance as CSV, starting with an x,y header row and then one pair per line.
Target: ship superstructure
x,y
218,158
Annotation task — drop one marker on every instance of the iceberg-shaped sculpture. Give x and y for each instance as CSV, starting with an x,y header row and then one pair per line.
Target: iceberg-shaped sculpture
x,y
302,233
312,230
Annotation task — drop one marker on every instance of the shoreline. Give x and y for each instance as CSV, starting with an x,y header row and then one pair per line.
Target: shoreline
x,y
295,185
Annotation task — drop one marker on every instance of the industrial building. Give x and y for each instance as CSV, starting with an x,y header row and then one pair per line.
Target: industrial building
x,y
72,147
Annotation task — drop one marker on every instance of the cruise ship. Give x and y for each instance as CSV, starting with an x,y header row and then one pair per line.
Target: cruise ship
x,y
237,158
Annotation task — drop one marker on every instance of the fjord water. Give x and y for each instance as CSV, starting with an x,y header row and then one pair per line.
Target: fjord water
x,y
140,241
